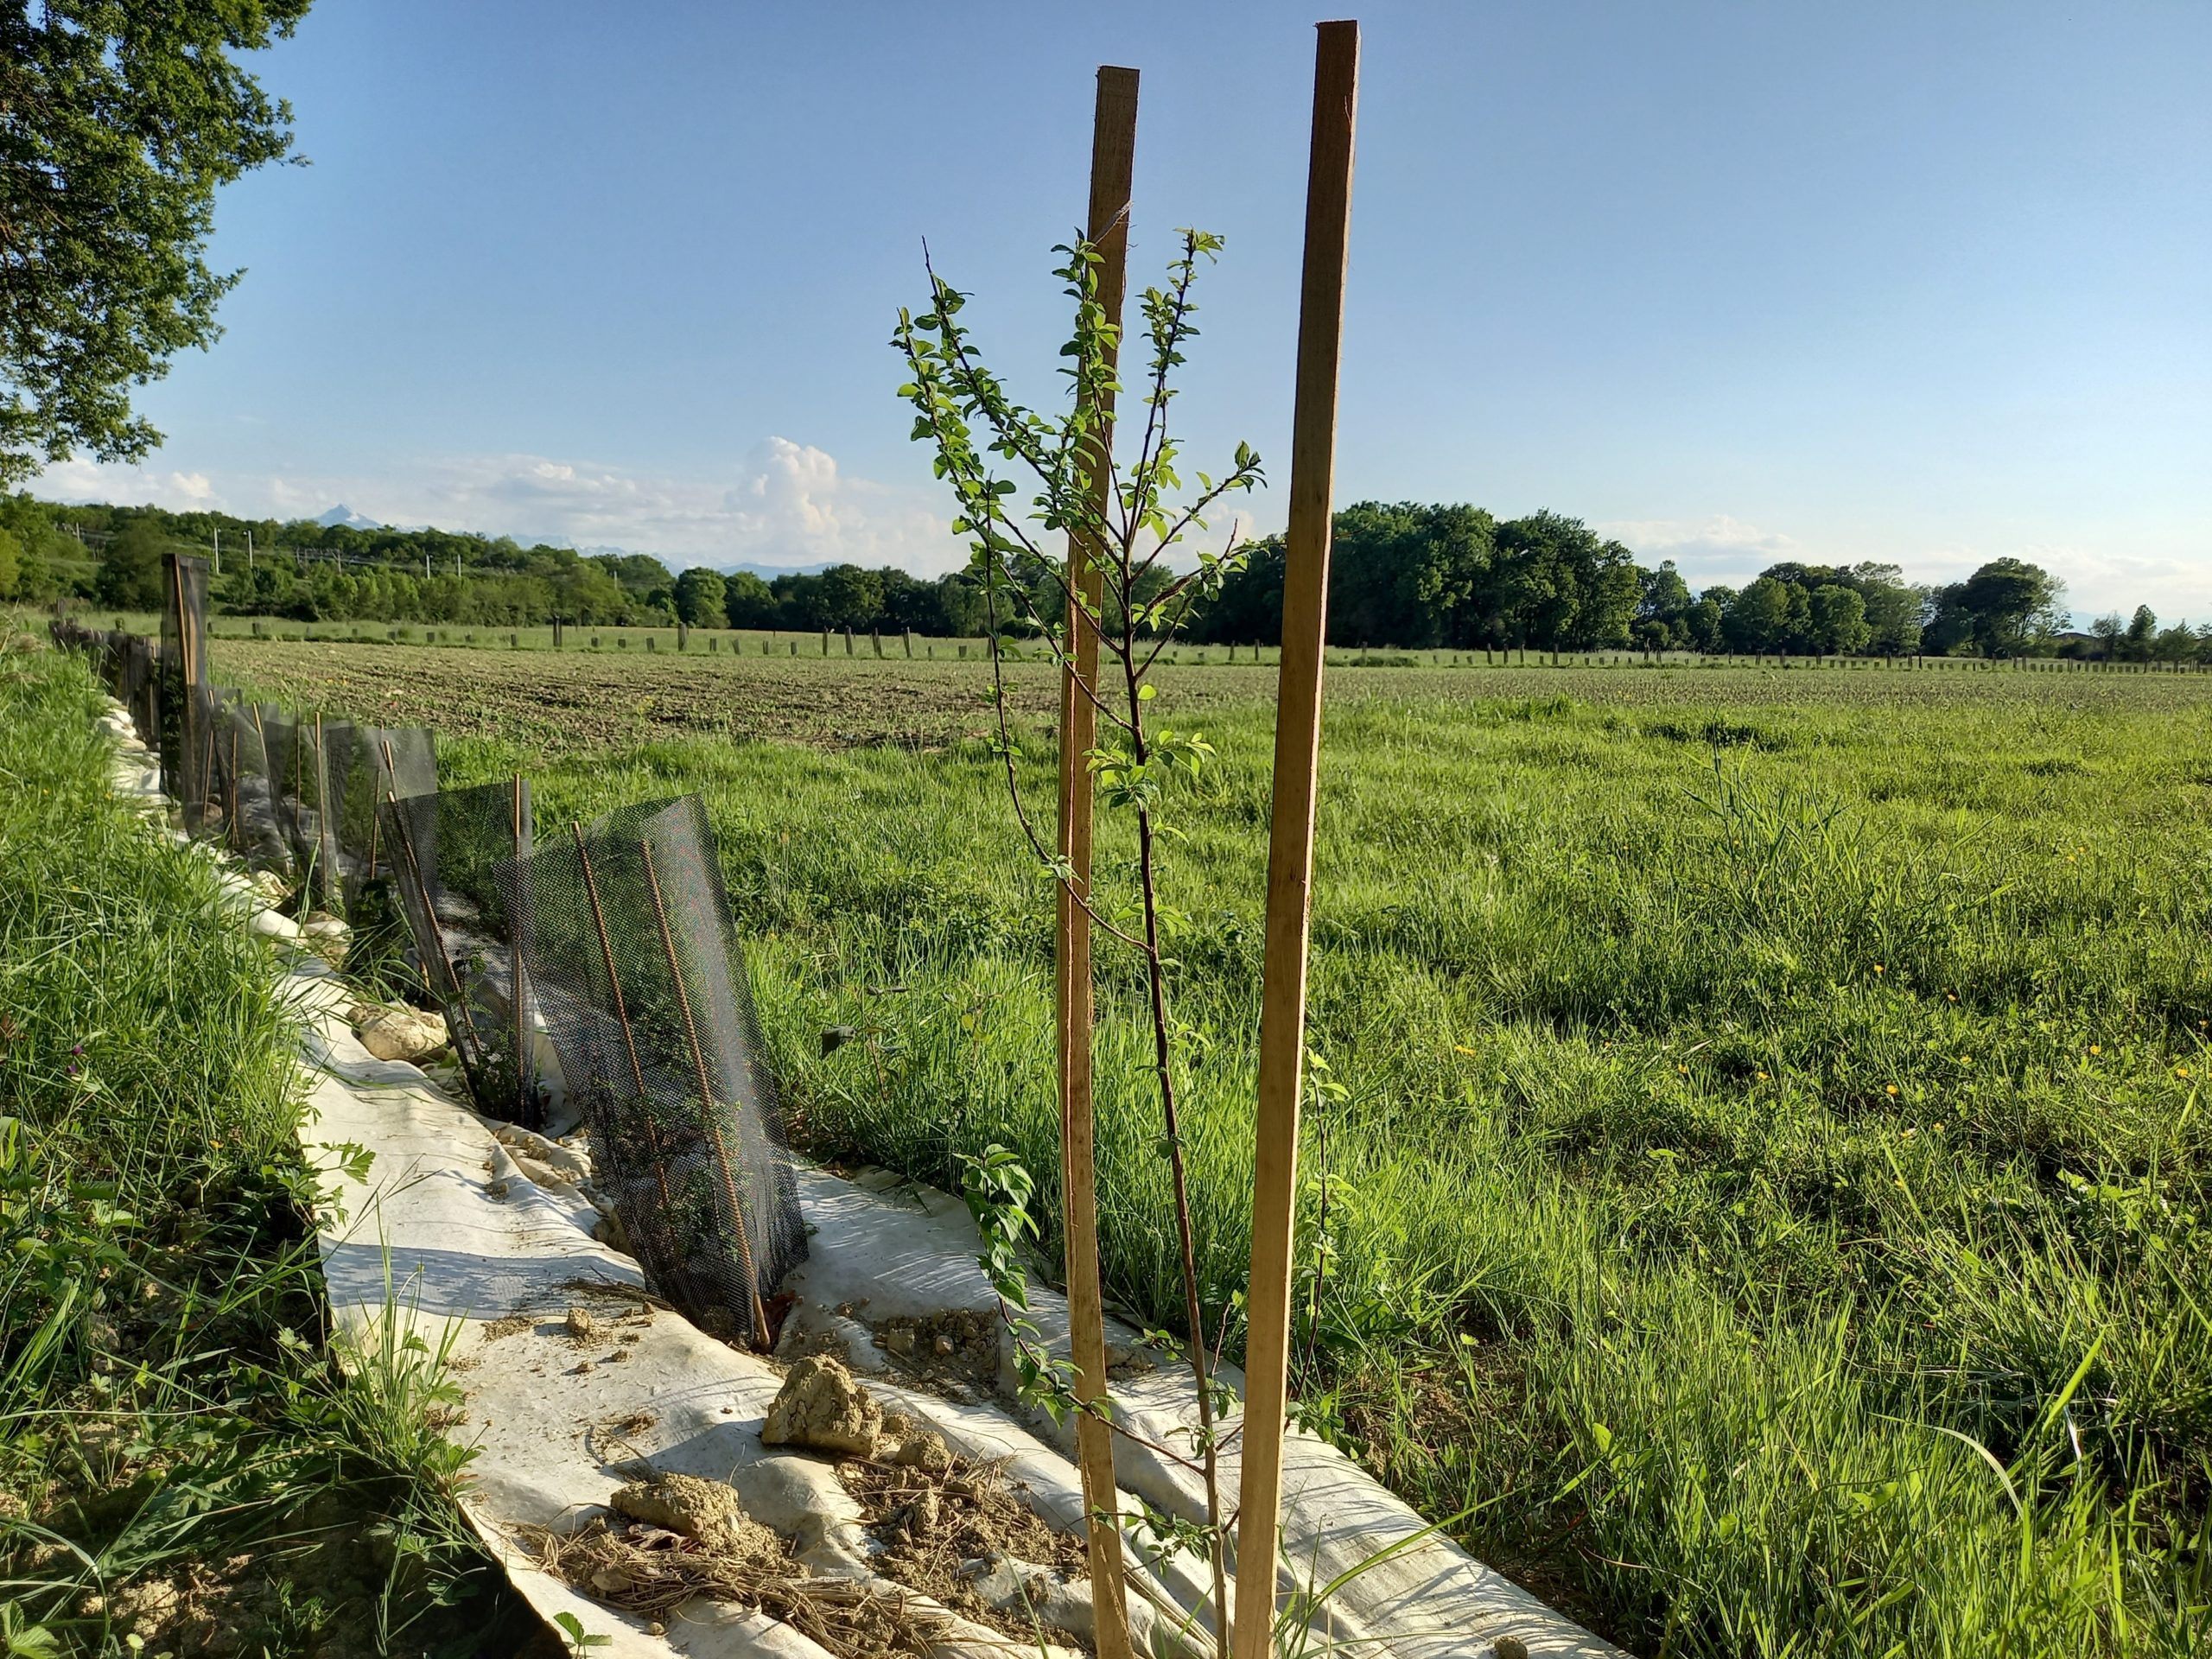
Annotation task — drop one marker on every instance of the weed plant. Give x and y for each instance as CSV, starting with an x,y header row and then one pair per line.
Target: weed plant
x,y
181,1461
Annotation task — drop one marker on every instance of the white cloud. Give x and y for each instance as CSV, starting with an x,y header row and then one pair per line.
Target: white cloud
x,y
85,480
1718,549
786,504
1722,548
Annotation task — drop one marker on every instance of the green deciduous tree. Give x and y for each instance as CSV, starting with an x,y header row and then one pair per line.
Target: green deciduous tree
x,y
2006,608
1758,621
1663,608
701,599
588,594
1894,608
1839,621
1558,586
118,121
130,576
2142,630
747,602
849,597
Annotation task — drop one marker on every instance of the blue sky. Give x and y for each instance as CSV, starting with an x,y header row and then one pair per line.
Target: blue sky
x,y
1930,284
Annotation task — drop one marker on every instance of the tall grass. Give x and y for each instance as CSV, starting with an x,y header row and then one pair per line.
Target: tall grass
x,y
1769,1195
178,1453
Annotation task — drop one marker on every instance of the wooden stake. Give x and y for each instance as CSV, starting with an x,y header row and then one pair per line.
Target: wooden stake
x,y
706,1105
1290,850
1112,151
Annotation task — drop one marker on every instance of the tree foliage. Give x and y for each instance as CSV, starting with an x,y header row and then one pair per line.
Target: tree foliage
x,y
1405,575
118,121
701,594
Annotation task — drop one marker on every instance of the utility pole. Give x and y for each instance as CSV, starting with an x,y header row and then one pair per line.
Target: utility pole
x,y
219,549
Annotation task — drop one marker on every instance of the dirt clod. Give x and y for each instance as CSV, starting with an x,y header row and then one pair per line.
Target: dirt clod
x,y
706,1510
579,1324
926,1452
821,1407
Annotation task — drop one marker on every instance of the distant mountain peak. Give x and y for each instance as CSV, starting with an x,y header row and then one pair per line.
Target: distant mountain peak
x,y
342,514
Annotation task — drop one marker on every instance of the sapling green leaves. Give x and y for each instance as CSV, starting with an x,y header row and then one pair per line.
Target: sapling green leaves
x,y
1126,529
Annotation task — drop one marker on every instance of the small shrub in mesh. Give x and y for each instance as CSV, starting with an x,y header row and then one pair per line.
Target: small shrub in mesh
x,y
441,849
629,945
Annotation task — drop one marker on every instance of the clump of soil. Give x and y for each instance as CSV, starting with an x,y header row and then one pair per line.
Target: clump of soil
x,y
651,1571
820,1406
955,1352
932,1513
706,1510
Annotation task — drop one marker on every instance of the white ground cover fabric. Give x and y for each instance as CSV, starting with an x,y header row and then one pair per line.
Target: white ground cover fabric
x,y
481,1236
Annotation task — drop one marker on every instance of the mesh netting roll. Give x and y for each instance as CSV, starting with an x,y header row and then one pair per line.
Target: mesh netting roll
x,y
628,944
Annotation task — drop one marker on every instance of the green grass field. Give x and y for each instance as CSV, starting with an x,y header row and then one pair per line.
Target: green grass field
x,y
1768,1206
183,1469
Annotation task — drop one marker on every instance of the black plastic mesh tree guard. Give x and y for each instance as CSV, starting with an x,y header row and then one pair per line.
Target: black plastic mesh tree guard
x,y
628,944
381,761
301,755
441,849
254,743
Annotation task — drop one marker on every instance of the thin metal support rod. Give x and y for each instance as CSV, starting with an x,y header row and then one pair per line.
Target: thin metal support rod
x,y
321,873
391,784
519,823
621,1008
238,842
1290,839
607,955
707,1104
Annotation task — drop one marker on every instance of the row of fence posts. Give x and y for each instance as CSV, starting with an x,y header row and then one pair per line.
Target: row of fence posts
x,y
1492,656
597,975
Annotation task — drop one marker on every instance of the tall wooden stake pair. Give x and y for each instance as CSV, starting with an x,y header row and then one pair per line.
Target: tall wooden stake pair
x,y
1290,857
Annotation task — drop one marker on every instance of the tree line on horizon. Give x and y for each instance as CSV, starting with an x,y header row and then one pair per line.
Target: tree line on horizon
x,y
1404,575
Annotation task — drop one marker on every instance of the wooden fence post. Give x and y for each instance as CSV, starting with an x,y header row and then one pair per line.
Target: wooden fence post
x,y
1112,151
1290,850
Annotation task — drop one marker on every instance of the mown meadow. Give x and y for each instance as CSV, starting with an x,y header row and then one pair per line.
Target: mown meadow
x,y
1761,1192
